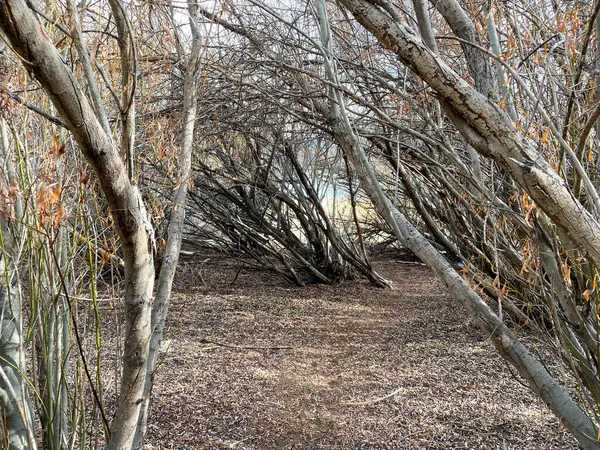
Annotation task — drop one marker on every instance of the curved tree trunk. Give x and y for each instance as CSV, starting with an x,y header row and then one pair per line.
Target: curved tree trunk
x,y
485,126
41,58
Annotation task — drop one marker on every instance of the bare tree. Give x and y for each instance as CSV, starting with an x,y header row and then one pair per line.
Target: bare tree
x,y
28,39
176,221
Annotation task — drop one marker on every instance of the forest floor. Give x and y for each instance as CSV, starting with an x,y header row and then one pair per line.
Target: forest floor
x,y
224,383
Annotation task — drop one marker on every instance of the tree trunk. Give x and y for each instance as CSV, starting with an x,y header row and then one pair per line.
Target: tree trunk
x,y
486,127
42,60
529,367
14,401
464,28
176,224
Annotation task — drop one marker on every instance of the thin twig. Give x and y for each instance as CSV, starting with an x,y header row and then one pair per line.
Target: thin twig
x,y
36,109
371,402
79,341
244,347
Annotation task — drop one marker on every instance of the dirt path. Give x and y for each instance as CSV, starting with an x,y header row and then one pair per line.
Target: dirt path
x,y
350,343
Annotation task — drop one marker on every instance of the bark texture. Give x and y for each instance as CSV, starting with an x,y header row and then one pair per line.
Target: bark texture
x,y
13,400
464,28
43,61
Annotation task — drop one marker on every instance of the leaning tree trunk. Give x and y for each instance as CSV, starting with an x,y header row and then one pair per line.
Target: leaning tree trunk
x,y
39,56
508,345
487,128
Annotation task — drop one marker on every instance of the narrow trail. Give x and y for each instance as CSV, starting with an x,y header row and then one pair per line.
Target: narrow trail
x,y
351,344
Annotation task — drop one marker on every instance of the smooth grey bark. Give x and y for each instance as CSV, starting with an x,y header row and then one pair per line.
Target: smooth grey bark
x,y
508,345
92,85
27,37
55,340
528,366
176,223
464,28
478,65
14,398
340,123
128,83
420,7
500,71
477,62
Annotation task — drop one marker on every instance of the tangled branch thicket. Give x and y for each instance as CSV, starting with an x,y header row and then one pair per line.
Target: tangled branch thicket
x,y
303,135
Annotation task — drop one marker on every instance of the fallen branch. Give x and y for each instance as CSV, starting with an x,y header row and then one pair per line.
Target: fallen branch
x,y
244,347
371,402
410,263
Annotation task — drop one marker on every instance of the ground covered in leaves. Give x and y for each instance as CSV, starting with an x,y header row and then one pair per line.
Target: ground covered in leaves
x,y
254,363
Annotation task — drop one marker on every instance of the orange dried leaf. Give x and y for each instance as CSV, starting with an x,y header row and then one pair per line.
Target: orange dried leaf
x,y
496,282
524,266
58,216
567,273
54,144
54,194
545,136
85,177
44,35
